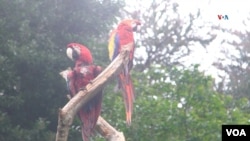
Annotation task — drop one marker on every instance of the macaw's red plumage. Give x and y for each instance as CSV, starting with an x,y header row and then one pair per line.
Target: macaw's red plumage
x,y
81,75
119,37
78,78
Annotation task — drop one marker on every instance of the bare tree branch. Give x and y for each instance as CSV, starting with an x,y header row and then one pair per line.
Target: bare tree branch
x,y
107,131
67,113
166,36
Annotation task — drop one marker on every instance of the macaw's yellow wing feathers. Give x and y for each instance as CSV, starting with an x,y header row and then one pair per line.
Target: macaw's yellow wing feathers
x,y
111,46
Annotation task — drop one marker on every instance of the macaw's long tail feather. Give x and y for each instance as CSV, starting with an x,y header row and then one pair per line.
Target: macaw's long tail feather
x,y
128,95
89,115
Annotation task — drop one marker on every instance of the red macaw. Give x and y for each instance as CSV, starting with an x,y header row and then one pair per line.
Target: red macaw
x,y
119,37
83,73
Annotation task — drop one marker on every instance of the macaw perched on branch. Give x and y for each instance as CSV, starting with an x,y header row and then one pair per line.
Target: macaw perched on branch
x,y
82,74
119,37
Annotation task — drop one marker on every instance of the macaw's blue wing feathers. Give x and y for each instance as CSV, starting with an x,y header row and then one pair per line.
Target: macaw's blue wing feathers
x,y
89,115
117,46
91,110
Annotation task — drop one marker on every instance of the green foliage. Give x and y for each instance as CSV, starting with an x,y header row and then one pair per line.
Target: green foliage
x,y
10,132
175,105
33,38
171,104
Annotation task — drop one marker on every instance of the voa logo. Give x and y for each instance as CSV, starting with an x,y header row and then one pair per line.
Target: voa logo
x,y
236,132
224,17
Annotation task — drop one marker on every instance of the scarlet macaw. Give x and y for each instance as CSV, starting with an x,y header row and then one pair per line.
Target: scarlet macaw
x,y
119,37
84,71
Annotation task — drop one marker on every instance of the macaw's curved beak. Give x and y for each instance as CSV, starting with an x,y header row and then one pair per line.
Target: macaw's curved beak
x,y
135,25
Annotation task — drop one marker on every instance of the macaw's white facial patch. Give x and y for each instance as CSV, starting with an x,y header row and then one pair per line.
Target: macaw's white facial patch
x,y
69,53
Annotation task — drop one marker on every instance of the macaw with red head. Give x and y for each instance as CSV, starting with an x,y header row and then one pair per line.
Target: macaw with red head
x,y
120,37
82,74
79,53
